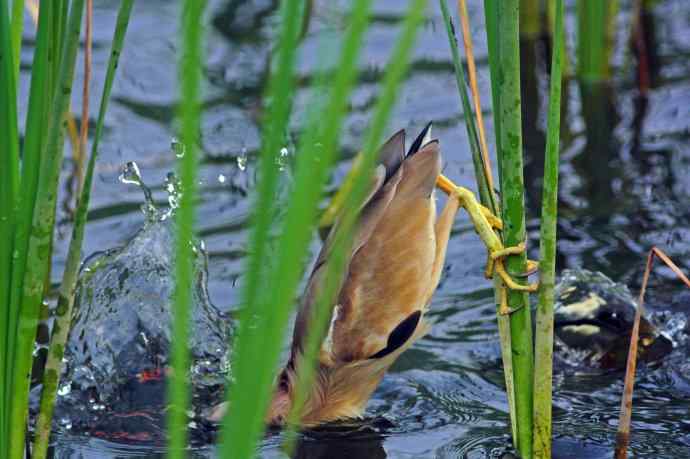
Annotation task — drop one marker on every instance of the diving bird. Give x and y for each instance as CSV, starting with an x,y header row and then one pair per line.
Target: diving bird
x,y
391,273
392,270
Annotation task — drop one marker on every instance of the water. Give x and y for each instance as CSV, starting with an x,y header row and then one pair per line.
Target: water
x,y
119,347
625,186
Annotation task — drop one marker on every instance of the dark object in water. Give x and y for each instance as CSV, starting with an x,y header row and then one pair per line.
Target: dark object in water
x,y
595,315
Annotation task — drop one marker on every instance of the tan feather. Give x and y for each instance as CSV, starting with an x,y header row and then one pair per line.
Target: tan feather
x,y
393,269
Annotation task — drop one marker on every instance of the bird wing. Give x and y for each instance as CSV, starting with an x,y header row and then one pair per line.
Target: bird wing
x,y
386,177
384,286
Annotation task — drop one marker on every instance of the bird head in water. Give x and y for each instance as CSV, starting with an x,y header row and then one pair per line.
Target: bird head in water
x,y
393,268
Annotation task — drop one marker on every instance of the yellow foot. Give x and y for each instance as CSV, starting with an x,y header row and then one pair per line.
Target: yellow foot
x,y
503,308
494,221
495,264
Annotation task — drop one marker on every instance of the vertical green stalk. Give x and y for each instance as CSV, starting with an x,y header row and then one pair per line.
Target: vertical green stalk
x,y
9,188
189,74
250,394
513,210
486,195
547,268
492,34
16,33
240,433
51,376
551,26
280,85
595,38
41,235
397,68
530,19
37,119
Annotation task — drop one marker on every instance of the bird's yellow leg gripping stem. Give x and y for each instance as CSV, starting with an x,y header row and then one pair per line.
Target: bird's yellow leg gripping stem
x,y
484,223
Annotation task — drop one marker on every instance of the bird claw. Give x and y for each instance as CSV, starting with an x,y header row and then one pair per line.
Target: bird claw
x,y
496,265
503,308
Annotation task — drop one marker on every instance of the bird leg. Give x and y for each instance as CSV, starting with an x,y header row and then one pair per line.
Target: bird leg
x,y
484,223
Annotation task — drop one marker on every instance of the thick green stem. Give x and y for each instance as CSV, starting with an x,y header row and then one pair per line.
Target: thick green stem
x,y
551,27
595,38
486,194
530,19
17,29
9,191
547,268
63,314
513,210
40,242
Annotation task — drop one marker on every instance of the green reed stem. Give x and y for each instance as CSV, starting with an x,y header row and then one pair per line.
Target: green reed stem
x,y
281,84
316,155
241,430
505,79
323,306
530,19
189,74
595,38
488,199
551,27
17,26
63,313
486,195
543,370
38,114
40,246
9,190
492,33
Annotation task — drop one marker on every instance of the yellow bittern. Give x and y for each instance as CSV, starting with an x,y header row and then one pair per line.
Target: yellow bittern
x,y
393,270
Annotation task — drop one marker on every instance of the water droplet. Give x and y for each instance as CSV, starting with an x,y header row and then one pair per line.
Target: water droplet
x,y
282,159
98,407
65,389
242,160
174,189
66,423
132,176
177,147
15,254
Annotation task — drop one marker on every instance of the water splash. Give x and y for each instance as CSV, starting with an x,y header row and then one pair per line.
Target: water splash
x,y
177,147
118,352
242,160
283,159
131,175
174,188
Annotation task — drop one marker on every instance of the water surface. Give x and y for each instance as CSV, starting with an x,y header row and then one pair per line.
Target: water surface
x,y
625,187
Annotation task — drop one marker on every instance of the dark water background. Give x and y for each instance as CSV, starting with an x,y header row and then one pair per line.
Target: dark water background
x,y
625,180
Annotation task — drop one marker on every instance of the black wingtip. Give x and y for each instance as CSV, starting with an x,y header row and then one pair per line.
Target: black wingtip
x,y
423,138
392,153
400,335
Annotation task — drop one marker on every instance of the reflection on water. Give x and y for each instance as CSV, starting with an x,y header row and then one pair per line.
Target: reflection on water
x,y
625,186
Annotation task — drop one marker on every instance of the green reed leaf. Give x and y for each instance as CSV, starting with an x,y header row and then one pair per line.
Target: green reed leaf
x,y
60,332
189,72
40,245
543,370
396,70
